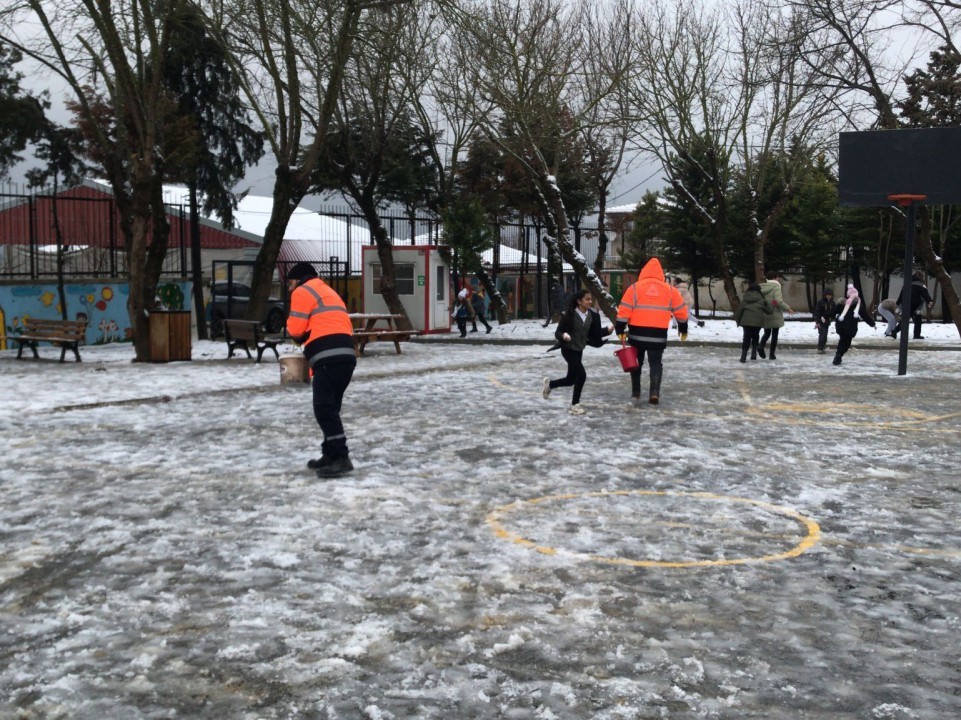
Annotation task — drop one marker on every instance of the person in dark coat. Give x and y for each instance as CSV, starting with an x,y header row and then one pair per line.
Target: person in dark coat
x,y
824,312
480,311
578,327
750,318
920,298
847,322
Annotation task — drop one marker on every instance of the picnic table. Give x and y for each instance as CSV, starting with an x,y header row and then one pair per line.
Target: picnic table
x,y
369,327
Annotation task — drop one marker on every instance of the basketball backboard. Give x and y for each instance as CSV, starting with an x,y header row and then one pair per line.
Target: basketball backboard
x,y
876,164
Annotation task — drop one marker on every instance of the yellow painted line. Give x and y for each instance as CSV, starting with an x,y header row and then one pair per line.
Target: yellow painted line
x,y
811,538
781,412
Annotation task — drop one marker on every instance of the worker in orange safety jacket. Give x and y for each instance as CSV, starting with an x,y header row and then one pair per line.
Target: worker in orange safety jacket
x,y
318,320
645,314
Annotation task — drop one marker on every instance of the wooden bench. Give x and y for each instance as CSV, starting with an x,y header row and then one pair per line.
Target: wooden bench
x,y
242,334
68,334
363,337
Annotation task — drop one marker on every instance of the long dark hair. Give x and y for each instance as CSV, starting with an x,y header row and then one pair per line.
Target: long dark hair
x,y
572,303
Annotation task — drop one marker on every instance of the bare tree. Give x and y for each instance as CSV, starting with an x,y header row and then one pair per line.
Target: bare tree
x,y
113,51
447,109
721,92
528,60
681,92
609,125
856,62
374,125
292,56
785,119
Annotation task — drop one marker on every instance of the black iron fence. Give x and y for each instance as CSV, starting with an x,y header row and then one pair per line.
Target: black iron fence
x,y
39,231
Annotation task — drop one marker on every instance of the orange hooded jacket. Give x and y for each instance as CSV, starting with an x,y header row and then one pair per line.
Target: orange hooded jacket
x,y
647,306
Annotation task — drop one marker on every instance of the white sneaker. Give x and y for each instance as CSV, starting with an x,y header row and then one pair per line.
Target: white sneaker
x,y
576,410
547,388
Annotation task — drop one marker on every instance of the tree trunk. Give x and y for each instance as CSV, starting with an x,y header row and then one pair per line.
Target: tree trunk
x,y
601,232
197,272
936,267
287,193
136,306
135,203
559,233
385,253
763,233
495,298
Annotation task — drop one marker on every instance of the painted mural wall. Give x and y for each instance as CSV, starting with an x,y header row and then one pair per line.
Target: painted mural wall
x,y
102,304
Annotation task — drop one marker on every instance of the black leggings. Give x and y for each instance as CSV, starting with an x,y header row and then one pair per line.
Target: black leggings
x,y
576,374
770,333
749,340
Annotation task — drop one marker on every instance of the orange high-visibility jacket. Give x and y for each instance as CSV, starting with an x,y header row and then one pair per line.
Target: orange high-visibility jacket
x,y
317,311
647,306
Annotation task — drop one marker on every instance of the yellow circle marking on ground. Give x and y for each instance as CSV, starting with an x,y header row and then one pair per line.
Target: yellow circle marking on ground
x,y
791,413
810,539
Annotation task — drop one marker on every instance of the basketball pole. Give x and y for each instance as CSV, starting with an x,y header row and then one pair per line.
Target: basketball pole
x,y
909,202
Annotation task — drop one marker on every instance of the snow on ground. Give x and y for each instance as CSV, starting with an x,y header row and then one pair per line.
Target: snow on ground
x,y
777,539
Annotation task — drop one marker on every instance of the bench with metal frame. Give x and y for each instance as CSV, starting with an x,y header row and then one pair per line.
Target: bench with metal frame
x,y
67,334
245,334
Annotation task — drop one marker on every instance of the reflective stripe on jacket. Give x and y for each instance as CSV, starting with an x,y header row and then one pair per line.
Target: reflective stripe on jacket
x,y
647,306
317,311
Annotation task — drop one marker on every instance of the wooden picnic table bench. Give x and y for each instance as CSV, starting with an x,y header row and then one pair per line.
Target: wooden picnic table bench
x,y
244,334
68,334
369,332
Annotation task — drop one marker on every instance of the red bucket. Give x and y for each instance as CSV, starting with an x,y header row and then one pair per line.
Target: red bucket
x,y
628,357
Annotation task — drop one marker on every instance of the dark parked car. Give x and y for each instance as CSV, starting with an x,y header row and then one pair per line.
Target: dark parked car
x,y
230,301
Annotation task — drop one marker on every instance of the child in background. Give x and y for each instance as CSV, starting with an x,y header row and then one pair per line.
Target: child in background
x,y
824,313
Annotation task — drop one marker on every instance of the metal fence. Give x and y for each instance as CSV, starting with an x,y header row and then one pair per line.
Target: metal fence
x,y
82,234
38,230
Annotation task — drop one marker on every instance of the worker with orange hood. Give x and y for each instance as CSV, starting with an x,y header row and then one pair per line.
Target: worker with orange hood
x,y
645,314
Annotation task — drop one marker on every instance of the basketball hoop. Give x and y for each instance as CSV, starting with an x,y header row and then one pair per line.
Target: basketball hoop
x,y
905,199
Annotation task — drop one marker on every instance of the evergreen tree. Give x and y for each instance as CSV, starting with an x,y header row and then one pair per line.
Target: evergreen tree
x,y
22,118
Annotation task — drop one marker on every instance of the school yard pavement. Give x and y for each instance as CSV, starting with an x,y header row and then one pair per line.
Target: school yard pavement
x,y
774,540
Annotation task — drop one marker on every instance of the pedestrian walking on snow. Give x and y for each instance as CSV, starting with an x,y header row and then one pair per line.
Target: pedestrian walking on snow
x,y
644,315
847,322
920,298
580,325
771,290
480,310
318,320
750,316
824,312
462,311
684,289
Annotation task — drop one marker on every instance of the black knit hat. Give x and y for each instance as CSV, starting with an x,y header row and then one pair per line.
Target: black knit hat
x,y
301,271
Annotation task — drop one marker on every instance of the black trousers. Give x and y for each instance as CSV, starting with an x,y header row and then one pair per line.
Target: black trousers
x,y
576,374
750,340
770,333
329,385
655,358
844,344
823,335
